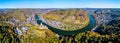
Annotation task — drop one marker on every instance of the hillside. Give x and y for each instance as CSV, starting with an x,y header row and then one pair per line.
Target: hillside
x,y
70,19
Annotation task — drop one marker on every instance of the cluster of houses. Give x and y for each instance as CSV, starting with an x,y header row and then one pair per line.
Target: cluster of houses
x,y
20,26
103,16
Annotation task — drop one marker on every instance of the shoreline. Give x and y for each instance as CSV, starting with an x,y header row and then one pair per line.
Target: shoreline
x,y
62,32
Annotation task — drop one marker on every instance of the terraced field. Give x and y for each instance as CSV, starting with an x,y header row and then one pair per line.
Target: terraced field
x,y
69,20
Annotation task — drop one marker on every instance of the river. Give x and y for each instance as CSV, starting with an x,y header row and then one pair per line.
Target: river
x,y
62,32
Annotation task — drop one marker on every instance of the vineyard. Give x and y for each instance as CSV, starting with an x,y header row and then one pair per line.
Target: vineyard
x,y
68,20
18,26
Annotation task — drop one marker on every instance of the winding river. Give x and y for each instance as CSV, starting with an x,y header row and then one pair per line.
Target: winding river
x,y
62,32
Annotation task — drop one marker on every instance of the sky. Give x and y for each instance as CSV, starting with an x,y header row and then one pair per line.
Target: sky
x,y
59,3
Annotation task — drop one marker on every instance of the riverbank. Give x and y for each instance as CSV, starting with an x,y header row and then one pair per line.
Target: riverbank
x,y
62,32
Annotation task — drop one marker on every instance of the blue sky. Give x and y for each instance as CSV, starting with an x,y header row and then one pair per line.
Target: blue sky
x,y
59,4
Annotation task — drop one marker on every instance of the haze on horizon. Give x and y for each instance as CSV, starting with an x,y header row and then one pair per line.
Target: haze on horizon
x,y
59,3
